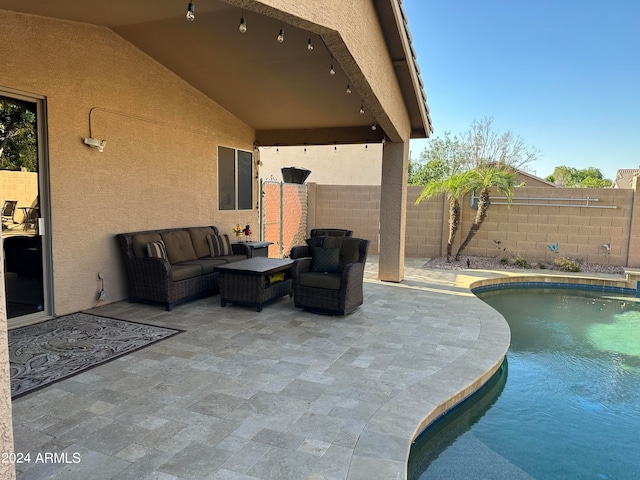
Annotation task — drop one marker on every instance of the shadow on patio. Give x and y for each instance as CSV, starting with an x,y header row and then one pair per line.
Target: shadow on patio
x,y
280,394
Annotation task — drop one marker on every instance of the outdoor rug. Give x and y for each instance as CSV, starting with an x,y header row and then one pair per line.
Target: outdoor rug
x,y
50,351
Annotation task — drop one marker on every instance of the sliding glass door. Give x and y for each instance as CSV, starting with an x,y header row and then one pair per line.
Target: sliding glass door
x,y
23,187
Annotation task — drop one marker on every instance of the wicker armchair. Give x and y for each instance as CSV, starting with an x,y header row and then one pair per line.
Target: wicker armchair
x,y
336,293
300,251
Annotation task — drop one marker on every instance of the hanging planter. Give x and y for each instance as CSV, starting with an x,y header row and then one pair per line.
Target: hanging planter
x,y
295,174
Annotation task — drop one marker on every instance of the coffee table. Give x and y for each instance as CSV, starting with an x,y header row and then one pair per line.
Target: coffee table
x,y
247,282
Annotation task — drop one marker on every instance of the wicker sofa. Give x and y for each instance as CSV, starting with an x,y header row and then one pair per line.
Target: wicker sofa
x,y
186,273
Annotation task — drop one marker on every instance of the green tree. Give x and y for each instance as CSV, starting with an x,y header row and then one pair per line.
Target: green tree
x,y
483,179
478,159
18,136
590,177
454,187
440,159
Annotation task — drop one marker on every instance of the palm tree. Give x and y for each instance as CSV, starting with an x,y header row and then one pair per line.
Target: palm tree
x,y
484,178
454,187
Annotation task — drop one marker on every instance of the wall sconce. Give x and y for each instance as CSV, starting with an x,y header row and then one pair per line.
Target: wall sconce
x,y
95,143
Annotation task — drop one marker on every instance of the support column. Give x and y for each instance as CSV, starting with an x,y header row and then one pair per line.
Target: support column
x,y
393,209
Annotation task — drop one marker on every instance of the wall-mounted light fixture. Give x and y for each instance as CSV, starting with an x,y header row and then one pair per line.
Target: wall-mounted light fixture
x,y
191,12
95,143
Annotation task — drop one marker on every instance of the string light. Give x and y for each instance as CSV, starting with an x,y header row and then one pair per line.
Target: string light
x,y
280,36
362,108
348,89
332,70
310,43
243,23
191,9
373,127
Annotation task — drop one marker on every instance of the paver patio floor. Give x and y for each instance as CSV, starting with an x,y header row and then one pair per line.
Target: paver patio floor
x,y
281,394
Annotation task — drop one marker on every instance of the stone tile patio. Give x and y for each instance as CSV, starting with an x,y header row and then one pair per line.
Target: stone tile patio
x,y
281,394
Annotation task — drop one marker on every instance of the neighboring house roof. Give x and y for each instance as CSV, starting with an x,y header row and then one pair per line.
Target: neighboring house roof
x,y
531,180
624,177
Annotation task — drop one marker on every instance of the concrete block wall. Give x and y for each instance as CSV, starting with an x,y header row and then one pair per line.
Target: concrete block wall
x,y
525,230
580,232
354,207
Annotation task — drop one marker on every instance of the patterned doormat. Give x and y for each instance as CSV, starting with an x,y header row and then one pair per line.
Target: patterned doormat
x,y
50,351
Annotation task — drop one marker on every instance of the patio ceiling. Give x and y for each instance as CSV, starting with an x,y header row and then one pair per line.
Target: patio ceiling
x,y
282,90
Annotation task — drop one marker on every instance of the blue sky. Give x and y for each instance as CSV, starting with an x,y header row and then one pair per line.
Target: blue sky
x,y
563,74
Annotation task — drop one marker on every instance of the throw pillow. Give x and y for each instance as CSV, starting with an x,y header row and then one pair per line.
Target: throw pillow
x,y
219,245
315,241
157,250
325,259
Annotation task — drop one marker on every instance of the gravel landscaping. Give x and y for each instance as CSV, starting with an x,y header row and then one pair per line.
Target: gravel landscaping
x,y
491,263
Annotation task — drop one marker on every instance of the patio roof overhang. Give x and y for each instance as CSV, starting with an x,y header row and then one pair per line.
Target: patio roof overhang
x,y
282,90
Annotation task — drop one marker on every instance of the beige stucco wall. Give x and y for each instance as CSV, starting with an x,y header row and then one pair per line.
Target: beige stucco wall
x,y
329,165
158,169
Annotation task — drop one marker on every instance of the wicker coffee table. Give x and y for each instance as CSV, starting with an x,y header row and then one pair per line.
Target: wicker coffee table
x,y
252,282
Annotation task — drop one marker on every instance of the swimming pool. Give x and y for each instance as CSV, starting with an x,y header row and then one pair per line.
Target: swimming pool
x,y
569,406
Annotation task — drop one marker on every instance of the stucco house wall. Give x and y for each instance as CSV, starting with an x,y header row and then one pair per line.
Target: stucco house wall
x,y
329,164
158,169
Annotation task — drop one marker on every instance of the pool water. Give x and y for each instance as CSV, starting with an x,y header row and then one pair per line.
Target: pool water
x,y
569,407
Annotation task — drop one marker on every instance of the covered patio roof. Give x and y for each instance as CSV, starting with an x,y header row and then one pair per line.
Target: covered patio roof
x,y
283,90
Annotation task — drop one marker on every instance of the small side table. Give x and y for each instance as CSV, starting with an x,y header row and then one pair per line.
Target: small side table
x,y
256,249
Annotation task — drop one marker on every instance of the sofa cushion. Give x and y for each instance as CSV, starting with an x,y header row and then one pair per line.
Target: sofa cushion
x,y
182,271
139,243
199,239
325,259
179,246
219,245
157,250
207,264
330,281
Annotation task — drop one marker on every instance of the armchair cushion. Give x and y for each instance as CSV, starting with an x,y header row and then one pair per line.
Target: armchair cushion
x,y
325,259
330,281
